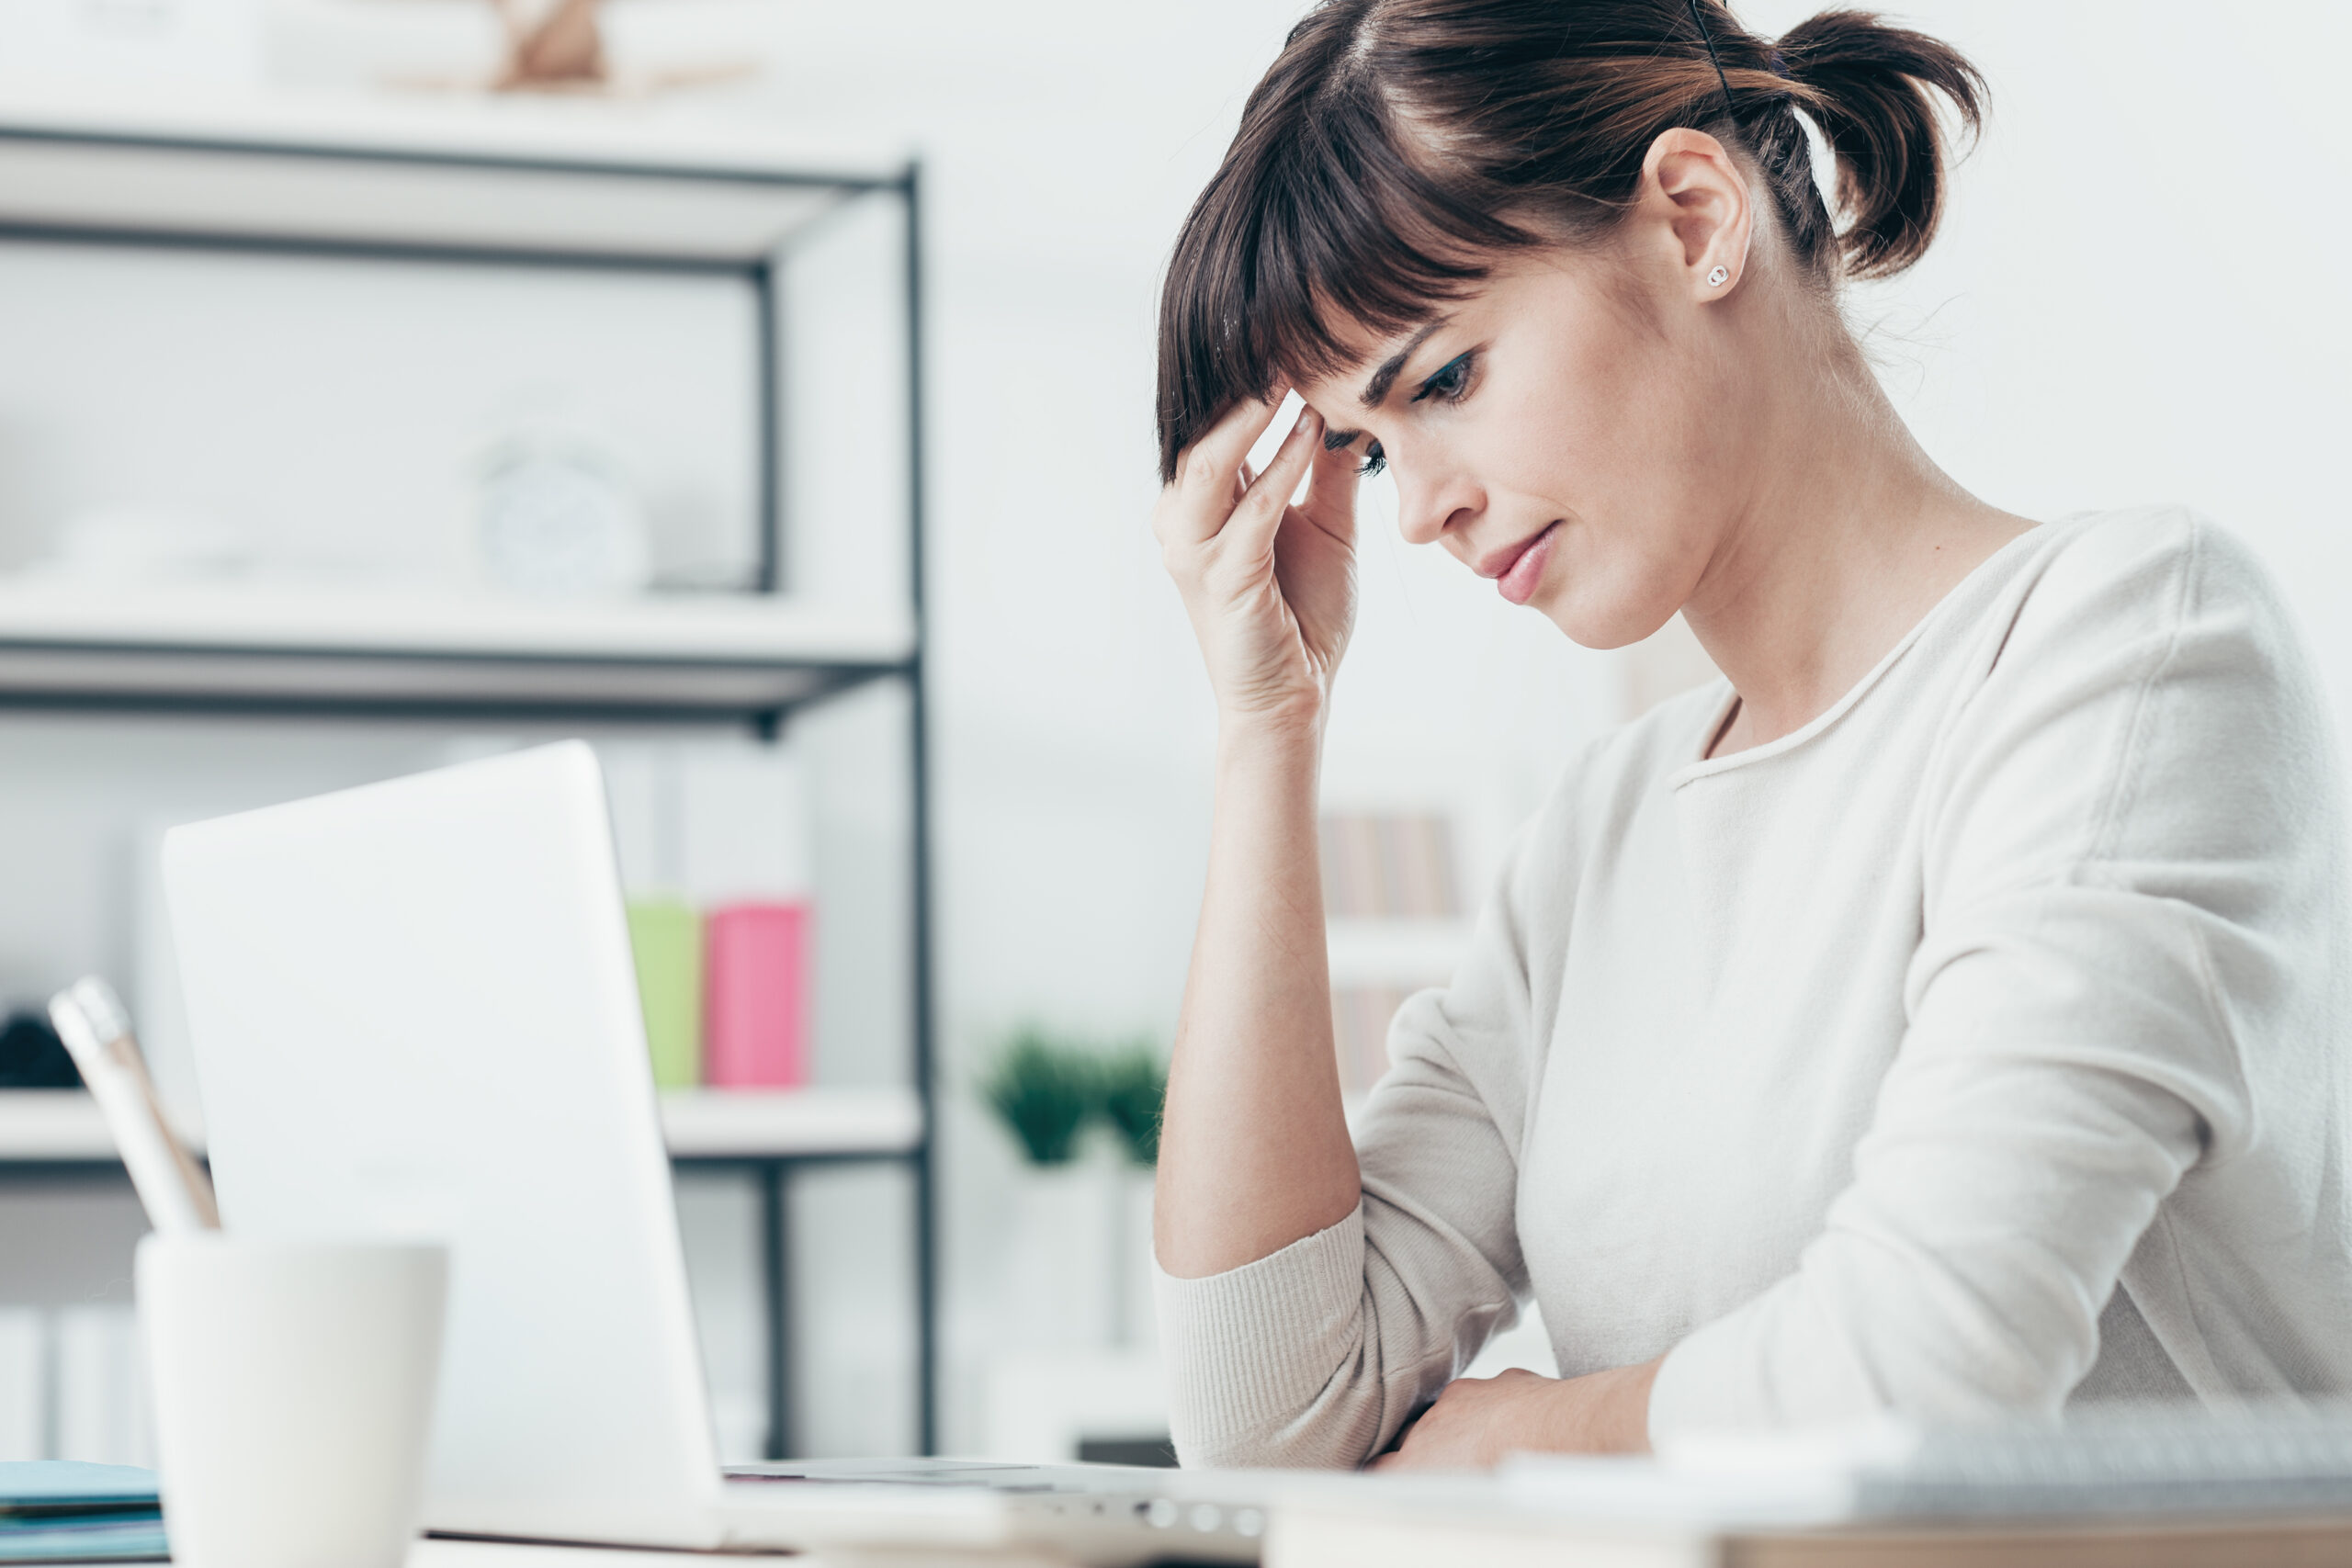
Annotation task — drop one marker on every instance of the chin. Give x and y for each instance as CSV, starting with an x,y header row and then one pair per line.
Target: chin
x,y
1600,620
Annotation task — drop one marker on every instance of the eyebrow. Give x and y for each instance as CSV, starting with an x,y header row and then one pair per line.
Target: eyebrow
x,y
1375,391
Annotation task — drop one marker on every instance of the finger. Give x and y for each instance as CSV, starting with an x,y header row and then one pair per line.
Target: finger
x,y
1203,466
1260,512
1331,492
1242,479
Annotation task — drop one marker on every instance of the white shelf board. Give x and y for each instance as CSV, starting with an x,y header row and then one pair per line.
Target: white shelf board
x,y
65,1126
65,639
713,1123
52,1124
1408,952
581,179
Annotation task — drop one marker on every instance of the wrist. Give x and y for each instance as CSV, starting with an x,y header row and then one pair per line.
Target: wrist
x,y
1285,738
1602,1413
1625,1415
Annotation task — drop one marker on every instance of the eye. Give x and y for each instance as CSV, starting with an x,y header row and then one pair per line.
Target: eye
x,y
1375,461
1451,380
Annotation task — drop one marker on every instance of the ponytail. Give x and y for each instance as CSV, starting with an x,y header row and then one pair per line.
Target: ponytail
x,y
1865,85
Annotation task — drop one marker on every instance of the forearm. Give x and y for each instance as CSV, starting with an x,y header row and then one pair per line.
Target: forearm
x,y
1254,1151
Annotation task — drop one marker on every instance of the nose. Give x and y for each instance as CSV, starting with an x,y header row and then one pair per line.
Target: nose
x,y
1429,506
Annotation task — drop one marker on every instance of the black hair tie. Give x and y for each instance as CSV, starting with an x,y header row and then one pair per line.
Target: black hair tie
x,y
1699,22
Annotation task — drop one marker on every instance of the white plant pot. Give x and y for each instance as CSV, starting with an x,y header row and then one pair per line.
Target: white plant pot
x,y
1060,1265
1138,1315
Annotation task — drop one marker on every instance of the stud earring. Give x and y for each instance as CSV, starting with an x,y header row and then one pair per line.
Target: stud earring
x,y
1718,278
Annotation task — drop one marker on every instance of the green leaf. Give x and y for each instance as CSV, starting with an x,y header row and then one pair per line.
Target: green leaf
x,y
1134,1087
1044,1092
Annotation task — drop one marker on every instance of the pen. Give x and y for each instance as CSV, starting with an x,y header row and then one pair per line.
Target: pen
x,y
171,1186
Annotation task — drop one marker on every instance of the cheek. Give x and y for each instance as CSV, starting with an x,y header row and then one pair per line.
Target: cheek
x,y
1629,472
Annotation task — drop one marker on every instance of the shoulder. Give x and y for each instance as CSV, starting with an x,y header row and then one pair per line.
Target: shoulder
x,y
2154,571
2146,694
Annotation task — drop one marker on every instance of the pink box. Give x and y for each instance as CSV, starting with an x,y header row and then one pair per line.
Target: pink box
x,y
755,996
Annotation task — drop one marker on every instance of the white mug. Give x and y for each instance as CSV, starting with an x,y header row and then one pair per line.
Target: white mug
x,y
293,1385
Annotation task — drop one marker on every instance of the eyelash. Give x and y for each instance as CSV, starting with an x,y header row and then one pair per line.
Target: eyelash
x,y
1458,367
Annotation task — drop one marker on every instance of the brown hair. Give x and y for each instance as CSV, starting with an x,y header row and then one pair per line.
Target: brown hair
x,y
1394,145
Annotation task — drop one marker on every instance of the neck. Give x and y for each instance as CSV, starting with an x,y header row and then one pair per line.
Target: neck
x,y
1847,536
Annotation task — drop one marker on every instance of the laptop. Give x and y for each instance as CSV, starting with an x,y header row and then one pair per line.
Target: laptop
x,y
414,1014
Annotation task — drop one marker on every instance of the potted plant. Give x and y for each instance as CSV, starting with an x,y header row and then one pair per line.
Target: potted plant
x,y
1045,1091
1132,1085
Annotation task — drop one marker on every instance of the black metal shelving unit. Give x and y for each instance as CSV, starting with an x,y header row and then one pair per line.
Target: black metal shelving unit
x,y
480,193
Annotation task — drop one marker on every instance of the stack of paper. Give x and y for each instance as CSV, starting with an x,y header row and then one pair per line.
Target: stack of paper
x,y
61,1511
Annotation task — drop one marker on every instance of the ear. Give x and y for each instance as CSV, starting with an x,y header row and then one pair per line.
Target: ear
x,y
1697,196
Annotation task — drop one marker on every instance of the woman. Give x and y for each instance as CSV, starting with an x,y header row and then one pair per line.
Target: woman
x,y
1940,1015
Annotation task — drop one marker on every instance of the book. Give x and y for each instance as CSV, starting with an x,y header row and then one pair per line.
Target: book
x,y
24,1383
64,1511
1397,866
83,1540
665,935
755,991
99,1384
1359,1019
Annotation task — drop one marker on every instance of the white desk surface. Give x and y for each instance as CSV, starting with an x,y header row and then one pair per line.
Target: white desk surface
x,y
498,1554
504,1554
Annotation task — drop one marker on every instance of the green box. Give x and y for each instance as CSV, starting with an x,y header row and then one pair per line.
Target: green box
x,y
666,936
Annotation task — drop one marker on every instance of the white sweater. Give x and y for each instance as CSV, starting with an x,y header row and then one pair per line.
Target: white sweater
x,y
1855,1071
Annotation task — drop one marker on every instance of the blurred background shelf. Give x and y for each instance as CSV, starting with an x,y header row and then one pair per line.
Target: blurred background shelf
x,y
63,1127
383,307
225,648
796,1124
49,1126
291,173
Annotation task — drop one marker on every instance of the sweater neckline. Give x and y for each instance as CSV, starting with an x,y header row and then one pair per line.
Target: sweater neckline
x,y
1719,711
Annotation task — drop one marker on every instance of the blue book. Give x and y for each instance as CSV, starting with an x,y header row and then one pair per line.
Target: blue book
x,y
63,1511
98,1537
69,1486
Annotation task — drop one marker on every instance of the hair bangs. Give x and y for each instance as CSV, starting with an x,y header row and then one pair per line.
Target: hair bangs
x,y
1323,229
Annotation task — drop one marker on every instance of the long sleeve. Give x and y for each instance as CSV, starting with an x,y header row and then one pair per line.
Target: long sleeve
x,y
2119,846
1318,1354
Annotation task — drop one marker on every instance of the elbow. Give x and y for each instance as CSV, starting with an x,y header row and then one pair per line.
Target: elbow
x,y
1318,1438
1292,1447
1336,1424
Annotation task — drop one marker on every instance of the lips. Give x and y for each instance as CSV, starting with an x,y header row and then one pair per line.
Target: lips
x,y
1518,572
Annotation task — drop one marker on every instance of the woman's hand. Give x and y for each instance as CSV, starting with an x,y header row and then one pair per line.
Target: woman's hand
x,y
1271,587
1477,1421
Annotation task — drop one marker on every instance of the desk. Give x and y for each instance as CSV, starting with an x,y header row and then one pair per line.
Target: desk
x,y
502,1554
2270,1544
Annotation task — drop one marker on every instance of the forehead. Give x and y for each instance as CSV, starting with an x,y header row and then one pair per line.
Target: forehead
x,y
1337,390
1542,283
